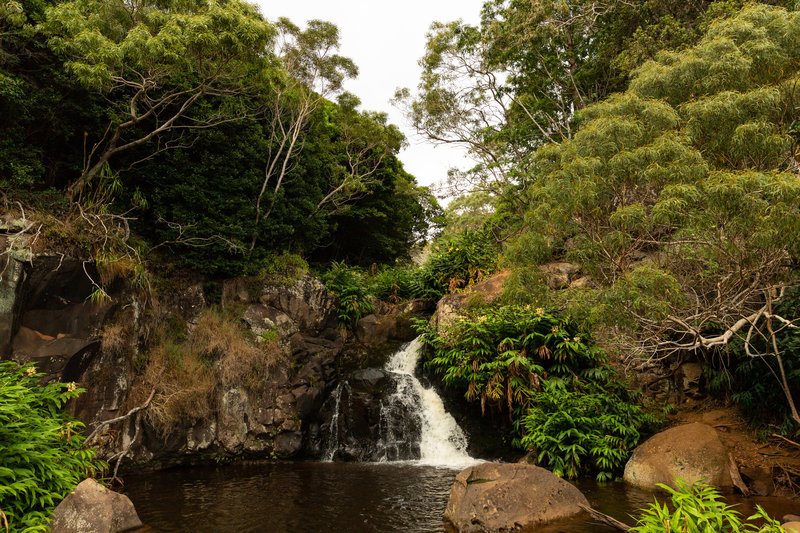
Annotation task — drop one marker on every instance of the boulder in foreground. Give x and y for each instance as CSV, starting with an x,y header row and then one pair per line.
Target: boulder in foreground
x,y
92,508
507,497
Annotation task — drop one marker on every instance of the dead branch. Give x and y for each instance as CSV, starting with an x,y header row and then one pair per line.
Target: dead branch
x,y
127,415
604,518
736,477
793,443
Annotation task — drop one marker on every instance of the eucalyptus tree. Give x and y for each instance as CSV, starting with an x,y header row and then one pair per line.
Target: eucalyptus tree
x,y
311,73
153,62
681,197
364,141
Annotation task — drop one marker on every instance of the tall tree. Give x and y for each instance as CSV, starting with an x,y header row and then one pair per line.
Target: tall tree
x,y
154,61
680,197
311,72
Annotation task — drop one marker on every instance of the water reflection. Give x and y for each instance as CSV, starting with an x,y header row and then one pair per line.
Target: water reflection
x,y
344,497
294,497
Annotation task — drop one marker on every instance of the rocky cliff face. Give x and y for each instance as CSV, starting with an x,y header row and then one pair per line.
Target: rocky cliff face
x,y
47,317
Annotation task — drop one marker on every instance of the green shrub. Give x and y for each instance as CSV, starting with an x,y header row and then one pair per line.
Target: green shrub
x,y
349,285
699,509
282,269
457,262
554,384
396,284
582,430
42,456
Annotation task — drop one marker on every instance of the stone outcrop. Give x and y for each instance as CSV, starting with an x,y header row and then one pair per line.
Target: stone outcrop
x,y
92,508
47,317
691,452
486,291
492,497
390,322
561,275
363,423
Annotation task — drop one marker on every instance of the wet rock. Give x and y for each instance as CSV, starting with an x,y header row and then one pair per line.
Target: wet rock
x,y
691,452
759,480
288,443
492,497
10,287
373,330
367,421
92,508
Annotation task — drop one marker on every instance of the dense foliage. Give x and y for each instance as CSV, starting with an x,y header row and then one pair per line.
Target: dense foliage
x,y
219,135
652,144
701,508
453,263
42,456
550,379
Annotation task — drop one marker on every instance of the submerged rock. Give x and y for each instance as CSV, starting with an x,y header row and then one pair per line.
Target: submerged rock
x,y
506,497
692,452
92,508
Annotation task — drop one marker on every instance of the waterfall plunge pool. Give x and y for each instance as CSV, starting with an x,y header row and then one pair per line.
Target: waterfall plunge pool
x,y
311,497
390,496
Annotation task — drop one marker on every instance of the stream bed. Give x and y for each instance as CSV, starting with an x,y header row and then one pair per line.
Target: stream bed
x,y
311,497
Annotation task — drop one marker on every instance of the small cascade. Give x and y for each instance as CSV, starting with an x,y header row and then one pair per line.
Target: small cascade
x,y
442,441
333,435
384,415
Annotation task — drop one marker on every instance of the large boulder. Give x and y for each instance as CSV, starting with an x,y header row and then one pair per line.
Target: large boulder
x,y
487,291
692,452
507,497
307,303
92,508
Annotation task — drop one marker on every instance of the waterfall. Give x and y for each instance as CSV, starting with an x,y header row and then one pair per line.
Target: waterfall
x,y
404,420
442,441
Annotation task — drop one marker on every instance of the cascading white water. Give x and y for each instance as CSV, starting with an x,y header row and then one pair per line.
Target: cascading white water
x,y
442,441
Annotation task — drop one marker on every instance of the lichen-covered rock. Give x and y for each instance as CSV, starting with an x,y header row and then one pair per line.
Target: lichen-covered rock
x,y
307,303
691,452
492,497
92,508
11,275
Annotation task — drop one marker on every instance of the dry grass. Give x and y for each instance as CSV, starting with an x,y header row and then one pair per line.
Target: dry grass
x,y
112,268
240,360
185,387
114,339
218,354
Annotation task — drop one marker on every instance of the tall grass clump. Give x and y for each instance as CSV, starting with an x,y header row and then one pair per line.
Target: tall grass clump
x,y
42,456
187,371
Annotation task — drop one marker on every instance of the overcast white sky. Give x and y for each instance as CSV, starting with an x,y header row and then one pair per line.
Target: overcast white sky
x,y
386,39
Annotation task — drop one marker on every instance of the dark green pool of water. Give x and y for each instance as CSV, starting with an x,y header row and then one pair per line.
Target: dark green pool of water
x,y
342,497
